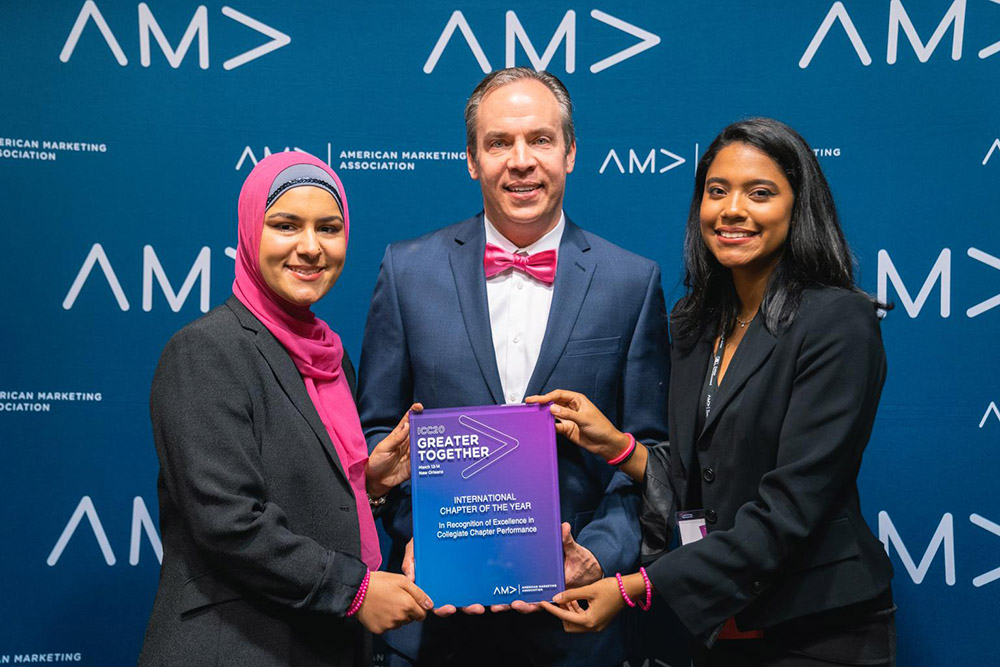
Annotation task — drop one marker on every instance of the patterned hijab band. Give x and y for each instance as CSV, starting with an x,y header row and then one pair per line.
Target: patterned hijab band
x,y
302,174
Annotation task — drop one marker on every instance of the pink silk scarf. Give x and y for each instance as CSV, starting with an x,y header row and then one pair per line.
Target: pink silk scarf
x,y
314,348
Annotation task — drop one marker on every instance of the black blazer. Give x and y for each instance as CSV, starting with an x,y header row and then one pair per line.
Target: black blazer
x,y
261,546
778,462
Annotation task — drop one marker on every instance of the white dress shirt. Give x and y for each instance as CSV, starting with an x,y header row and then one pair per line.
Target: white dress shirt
x,y
519,311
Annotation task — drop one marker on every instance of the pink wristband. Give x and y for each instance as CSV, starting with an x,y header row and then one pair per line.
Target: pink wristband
x,y
359,597
621,588
621,458
649,591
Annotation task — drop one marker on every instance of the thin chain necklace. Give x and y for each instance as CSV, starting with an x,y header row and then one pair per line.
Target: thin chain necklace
x,y
743,324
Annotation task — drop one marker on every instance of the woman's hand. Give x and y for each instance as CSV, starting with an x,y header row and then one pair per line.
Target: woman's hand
x,y
604,601
389,463
409,570
579,420
392,600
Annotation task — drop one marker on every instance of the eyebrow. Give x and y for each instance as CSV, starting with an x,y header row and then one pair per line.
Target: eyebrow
x,y
496,134
292,216
755,181
490,136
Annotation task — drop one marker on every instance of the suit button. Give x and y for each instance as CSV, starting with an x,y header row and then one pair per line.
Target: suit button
x,y
708,475
711,516
757,587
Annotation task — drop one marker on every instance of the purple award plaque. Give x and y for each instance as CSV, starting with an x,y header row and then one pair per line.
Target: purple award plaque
x,y
485,487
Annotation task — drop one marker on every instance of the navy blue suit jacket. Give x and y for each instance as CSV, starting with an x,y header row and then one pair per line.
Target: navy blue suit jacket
x,y
428,339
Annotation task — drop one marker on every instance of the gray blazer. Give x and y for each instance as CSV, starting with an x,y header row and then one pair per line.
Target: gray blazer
x,y
261,546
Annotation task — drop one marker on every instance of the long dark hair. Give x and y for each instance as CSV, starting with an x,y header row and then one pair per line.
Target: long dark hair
x,y
815,254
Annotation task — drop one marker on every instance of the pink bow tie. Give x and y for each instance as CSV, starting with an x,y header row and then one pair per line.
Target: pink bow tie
x,y
541,265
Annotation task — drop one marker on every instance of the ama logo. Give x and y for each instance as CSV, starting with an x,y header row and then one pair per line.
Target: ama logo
x,y
505,590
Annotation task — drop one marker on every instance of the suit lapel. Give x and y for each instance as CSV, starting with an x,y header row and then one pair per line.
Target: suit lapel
x,y
288,377
573,275
753,351
470,282
687,370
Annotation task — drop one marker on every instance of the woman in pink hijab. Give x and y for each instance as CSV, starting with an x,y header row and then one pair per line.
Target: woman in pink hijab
x,y
266,486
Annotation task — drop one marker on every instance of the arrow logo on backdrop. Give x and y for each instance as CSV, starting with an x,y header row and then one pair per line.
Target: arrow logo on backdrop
x,y
278,39
989,153
994,301
149,26
992,409
515,31
987,525
677,160
649,40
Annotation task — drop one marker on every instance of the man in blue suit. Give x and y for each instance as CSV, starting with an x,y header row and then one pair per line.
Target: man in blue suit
x,y
517,301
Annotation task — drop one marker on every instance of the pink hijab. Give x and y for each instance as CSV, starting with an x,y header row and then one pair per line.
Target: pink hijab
x,y
312,345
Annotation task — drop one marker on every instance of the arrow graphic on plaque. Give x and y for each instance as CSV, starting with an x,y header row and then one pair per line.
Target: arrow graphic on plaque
x,y
507,445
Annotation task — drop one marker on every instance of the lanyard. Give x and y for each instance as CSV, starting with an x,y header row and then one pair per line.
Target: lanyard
x,y
713,385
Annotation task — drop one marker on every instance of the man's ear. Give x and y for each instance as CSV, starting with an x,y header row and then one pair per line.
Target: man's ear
x,y
571,158
473,167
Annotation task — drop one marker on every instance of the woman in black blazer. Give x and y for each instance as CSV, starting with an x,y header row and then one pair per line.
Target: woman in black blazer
x,y
266,488
777,369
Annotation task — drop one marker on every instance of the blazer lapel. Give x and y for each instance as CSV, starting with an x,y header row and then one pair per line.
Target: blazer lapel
x,y
470,282
573,275
688,368
288,377
754,350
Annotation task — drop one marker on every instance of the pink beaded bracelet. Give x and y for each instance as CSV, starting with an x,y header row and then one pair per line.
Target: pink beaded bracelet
x,y
624,456
649,591
359,597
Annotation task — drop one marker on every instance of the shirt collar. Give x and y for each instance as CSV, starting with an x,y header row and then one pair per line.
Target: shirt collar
x,y
550,241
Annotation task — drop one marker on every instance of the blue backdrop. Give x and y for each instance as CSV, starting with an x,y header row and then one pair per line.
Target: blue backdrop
x,y
127,128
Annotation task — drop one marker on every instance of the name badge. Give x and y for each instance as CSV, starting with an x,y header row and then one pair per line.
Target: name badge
x,y
691,525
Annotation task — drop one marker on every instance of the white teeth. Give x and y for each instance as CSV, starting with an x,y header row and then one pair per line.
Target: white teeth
x,y
522,188
735,235
305,272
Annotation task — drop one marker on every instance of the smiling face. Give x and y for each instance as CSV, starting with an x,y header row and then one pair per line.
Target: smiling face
x,y
521,160
302,245
746,209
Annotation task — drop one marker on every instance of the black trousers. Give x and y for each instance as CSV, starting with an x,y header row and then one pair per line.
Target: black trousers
x,y
850,636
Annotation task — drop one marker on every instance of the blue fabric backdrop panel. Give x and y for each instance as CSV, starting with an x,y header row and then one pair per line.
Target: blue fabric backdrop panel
x,y
127,128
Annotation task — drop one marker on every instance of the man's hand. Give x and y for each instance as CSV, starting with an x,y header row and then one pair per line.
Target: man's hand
x,y
389,463
408,566
449,609
519,606
581,566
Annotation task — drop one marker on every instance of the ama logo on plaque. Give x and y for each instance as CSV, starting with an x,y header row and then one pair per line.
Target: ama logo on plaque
x,y
486,504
